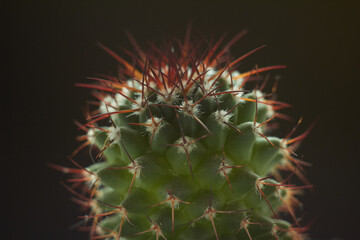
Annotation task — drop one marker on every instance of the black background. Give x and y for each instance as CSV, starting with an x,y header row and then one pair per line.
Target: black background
x,y
51,45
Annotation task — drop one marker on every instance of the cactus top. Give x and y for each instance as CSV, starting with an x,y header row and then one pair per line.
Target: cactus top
x,y
183,150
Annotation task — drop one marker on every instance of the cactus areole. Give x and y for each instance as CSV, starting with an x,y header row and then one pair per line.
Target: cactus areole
x,y
181,150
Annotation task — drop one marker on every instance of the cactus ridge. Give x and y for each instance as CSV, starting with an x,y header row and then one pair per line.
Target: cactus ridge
x,y
184,152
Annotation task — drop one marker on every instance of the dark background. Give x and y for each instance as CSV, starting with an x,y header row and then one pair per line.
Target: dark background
x,y
51,45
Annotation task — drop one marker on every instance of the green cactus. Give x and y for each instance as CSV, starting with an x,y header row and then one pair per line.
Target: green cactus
x,y
184,152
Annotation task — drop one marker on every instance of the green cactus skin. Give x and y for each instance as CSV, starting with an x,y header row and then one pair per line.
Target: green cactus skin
x,y
184,152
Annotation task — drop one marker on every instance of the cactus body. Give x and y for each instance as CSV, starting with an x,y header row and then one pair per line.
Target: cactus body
x,y
183,152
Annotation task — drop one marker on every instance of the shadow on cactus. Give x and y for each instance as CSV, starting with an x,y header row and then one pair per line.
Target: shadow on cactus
x,y
183,150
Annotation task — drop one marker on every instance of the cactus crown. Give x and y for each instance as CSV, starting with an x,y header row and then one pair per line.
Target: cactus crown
x,y
184,151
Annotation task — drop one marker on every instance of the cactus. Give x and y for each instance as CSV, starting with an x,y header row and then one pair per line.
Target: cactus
x,y
184,152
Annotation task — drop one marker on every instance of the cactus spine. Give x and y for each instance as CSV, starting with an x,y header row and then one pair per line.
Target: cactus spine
x,y
183,151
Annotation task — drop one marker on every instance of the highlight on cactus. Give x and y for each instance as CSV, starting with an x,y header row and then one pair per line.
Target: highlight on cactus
x,y
181,149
